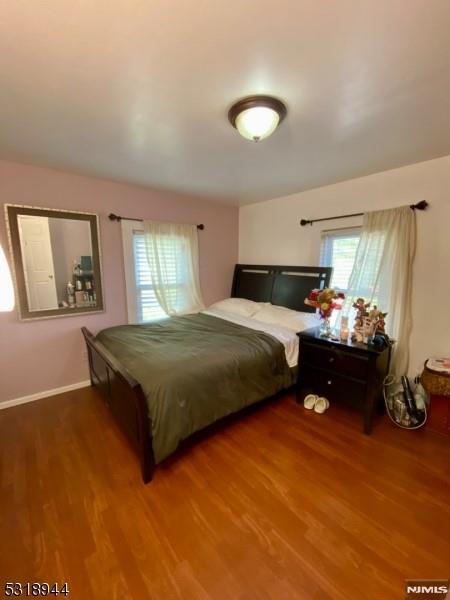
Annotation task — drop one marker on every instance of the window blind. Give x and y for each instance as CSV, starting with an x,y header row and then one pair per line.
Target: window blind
x,y
147,306
338,250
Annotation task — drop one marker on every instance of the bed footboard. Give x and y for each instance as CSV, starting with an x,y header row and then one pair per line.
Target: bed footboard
x,y
125,398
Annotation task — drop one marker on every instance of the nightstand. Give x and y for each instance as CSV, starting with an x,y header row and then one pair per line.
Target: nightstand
x,y
348,373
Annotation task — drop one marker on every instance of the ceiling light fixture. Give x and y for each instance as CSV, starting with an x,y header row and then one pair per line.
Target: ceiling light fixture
x,y
257,117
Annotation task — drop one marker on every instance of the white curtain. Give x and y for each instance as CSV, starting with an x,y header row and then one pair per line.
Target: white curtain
x,y
173,258
382,274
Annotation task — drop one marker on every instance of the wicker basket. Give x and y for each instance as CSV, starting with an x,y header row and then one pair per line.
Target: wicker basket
x,y
436,384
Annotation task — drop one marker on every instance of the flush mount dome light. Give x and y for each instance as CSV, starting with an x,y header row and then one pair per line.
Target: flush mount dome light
x,y
257,117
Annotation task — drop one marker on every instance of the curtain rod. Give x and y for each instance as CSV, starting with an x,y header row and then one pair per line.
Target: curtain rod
x,y
114,217
422,205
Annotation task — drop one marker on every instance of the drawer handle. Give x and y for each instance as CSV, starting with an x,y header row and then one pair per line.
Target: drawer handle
x,y
329,382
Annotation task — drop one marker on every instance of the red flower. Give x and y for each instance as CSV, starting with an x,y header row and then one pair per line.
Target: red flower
x,y
328,298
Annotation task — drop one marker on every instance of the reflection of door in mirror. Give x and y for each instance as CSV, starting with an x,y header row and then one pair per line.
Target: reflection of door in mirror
x,y
38,262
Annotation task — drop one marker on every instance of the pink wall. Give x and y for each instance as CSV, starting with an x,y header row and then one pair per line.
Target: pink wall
x,y
41,355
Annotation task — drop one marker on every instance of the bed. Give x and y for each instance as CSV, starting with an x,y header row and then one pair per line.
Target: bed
x,y
167,380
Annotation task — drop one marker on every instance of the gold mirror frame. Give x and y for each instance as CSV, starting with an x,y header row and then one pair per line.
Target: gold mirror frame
x,y
12,211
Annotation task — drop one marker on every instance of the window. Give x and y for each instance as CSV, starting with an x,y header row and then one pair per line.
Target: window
x,y
141,300
172,250
147,306
338,250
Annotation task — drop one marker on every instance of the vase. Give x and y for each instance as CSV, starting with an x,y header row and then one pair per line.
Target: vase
x,y
325,328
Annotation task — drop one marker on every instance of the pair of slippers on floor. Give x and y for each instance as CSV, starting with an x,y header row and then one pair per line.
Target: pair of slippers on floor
x,y
319,403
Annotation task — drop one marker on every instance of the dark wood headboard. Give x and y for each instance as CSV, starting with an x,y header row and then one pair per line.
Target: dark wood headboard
x,y
281,285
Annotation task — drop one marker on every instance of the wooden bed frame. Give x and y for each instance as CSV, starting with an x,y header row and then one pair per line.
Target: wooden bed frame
x,y
281,285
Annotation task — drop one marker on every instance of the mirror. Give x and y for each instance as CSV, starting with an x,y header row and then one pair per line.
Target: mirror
x,y
56,260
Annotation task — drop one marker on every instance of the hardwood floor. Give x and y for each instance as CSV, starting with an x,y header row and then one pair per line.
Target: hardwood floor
x,y
280,504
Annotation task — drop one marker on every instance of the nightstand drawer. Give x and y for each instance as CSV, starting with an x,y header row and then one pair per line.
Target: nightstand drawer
x,y
335,387
335,360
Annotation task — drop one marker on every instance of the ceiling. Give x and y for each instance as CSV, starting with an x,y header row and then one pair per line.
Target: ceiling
x,y
138,90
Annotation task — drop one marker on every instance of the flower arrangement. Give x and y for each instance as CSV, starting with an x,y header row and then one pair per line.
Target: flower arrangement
x,y
325,300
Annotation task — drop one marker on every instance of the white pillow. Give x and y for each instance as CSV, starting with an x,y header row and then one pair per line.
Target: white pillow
x,y
285,317
237,306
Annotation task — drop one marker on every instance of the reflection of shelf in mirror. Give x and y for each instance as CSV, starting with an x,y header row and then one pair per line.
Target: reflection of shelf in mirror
x,y
84,286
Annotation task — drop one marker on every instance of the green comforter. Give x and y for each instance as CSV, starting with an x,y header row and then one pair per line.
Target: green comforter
x,y
196,369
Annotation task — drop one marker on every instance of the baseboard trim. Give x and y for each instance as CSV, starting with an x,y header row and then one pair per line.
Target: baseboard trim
x,y
44,394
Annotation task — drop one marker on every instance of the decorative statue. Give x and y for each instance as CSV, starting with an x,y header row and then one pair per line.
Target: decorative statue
x,y
367,323
361,307
375,314
380,323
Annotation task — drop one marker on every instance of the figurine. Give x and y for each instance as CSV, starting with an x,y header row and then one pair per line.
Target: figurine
x,y
380,324
367,323
361,307
375,314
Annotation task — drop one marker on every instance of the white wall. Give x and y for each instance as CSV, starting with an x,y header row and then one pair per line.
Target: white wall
x,y
269,233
